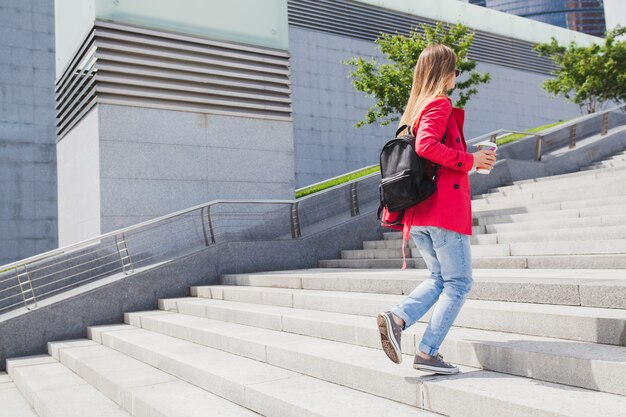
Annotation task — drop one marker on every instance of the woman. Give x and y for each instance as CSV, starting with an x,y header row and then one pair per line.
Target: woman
x,y
441,225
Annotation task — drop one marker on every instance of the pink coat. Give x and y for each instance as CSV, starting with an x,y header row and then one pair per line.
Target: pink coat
x,y
449,207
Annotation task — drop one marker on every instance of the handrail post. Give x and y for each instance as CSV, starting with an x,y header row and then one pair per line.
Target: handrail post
x,y
295,221
210,222
124,253
605,124
208,213
354,200
538,146
572,136
26,286
204,234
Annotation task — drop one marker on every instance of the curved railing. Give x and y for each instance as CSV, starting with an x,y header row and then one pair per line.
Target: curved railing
x,y
564,134
25,282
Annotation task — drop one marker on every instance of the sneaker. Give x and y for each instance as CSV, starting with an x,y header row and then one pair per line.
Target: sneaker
x,y
390,334
435,364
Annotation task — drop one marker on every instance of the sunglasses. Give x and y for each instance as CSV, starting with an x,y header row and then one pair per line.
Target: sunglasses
x,y
457,72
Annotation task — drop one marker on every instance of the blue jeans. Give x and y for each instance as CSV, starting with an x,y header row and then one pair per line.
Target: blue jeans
x,y
448,258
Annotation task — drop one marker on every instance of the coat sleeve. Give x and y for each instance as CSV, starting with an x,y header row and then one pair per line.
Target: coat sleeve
x,y
432,126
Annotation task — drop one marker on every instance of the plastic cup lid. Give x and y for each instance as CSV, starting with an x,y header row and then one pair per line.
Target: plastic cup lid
x,y
486,143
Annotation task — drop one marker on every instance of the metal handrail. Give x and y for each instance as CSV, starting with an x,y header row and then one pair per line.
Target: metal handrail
x,y
337,177
491,136
136,226
127,229
29,278
570,125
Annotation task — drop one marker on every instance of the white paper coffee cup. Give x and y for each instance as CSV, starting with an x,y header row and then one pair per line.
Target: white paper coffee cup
x,y
485,146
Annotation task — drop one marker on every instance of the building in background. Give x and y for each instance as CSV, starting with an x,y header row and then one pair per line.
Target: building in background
x,y
586,16
163,105
166,105
28,184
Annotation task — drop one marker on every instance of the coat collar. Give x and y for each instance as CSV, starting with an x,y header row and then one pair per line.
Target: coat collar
x,y
459,116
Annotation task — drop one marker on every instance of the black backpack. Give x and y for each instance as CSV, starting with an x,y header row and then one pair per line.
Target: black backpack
x,y
404,182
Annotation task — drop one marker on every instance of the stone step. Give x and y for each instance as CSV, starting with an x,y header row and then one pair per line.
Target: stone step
x,y
263,384
485,250
504,262
55,391
539,208
613,213
574,223
548,233
590,288
551,196
12,403
599,246
396,241
569,176
139,388
556,219
356,366
588,234
477,251
542,358
563,322
545,189
564,180
396,236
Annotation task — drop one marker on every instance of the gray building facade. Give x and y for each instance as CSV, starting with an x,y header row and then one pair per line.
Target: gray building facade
x,y
154,121
28,186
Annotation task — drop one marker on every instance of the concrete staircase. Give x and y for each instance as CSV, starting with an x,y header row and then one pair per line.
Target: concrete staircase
x,y
531,341
575,220
305,343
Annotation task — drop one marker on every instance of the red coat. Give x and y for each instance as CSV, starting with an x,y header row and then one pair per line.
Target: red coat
x,y
449,207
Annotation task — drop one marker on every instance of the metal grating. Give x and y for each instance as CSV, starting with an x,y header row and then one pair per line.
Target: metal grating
x,y
121,64
362,21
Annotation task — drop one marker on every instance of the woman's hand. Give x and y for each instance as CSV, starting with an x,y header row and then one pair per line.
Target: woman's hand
x,y
484,159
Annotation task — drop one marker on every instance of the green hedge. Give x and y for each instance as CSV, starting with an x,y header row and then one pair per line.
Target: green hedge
x,y
339,180
515,136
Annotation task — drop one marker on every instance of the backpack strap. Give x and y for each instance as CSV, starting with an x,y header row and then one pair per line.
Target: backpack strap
x,y
401,128
381,204
405,237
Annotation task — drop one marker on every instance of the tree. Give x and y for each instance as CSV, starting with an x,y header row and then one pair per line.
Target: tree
x,y
588,76
390,83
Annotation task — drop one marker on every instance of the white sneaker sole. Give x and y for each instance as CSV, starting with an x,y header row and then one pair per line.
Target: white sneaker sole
x,y
390,337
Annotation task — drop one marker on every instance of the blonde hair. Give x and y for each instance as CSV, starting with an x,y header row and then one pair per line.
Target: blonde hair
x,y
435,65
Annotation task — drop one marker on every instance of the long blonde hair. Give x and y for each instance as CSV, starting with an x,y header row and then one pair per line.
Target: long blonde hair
x,y
435,65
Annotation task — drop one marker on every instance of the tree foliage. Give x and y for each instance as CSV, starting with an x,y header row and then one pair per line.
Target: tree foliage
x,y
390,83
591,75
